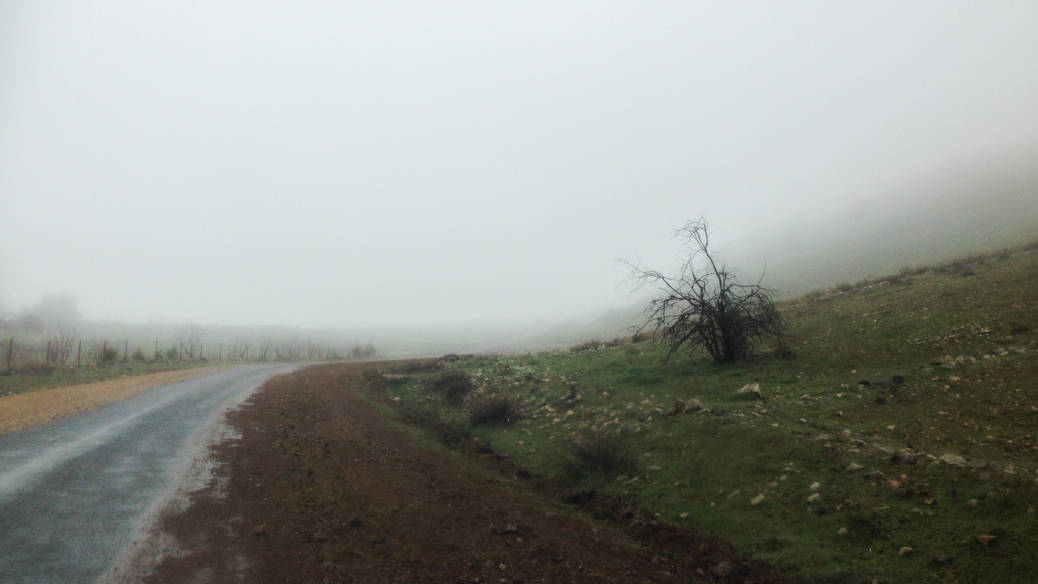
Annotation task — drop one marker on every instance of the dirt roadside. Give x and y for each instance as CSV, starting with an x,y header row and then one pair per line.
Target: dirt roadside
x,y
322,488
26,410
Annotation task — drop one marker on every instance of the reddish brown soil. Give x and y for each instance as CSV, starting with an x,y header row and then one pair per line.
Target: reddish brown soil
x,y
322,488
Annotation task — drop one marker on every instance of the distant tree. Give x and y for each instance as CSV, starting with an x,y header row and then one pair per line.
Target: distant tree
x,y
705,305
189,337
57,312
365,352
265,347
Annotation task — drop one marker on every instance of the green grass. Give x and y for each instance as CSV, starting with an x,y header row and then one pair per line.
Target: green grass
x,y
962,336
37,378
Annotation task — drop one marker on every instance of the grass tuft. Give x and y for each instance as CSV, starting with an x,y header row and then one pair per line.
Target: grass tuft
x,y
453,386
606,453
496,410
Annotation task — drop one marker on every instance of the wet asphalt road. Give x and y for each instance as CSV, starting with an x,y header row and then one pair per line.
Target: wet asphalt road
x,y
74,493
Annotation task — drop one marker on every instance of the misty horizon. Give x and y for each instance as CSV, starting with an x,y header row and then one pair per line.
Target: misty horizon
x,y
410,165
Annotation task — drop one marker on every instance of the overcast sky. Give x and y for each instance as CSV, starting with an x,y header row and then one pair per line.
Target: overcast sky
x,y
336,163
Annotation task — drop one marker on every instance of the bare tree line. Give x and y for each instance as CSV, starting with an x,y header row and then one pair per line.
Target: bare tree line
x,y
65,348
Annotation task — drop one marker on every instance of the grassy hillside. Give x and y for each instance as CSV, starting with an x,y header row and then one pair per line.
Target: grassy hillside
x,y
900,443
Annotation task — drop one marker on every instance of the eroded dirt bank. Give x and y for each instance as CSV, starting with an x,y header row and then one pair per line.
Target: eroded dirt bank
x,y
321,488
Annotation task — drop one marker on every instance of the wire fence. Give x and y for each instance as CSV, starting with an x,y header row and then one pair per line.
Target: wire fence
x,y
65,350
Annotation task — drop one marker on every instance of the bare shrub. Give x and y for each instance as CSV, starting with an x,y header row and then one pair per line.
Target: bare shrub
x,y
59,347
706,305
103,354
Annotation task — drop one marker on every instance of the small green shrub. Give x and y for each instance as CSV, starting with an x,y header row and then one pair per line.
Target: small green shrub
x,y
172,354
106,355
453,386
599,452
139,356
497,410
416,366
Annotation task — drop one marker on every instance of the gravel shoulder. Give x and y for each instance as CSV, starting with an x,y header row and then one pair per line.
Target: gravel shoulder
x,y
321,487
27,410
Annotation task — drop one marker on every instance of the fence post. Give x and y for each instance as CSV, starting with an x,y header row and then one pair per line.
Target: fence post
x,y
10,354
126,350
47,358
219,354
79,353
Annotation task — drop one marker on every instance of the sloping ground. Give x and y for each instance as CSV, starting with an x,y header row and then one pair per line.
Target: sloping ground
x,y
897,444
25,410
323,488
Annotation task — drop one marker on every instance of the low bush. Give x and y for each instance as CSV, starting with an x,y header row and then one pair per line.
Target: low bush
x,y
452,386
139,356
599,452
416,366
105,355
497,410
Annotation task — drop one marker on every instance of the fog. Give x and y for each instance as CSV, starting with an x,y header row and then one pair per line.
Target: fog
x,y
415,164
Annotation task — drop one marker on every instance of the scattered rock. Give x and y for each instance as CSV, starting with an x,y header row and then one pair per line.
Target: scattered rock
x,y
815,497
842,531
756,500
506,530
986,538
815,486
854,466
978,463
694,405
952,459
865,383
904,551
752,389
679,407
